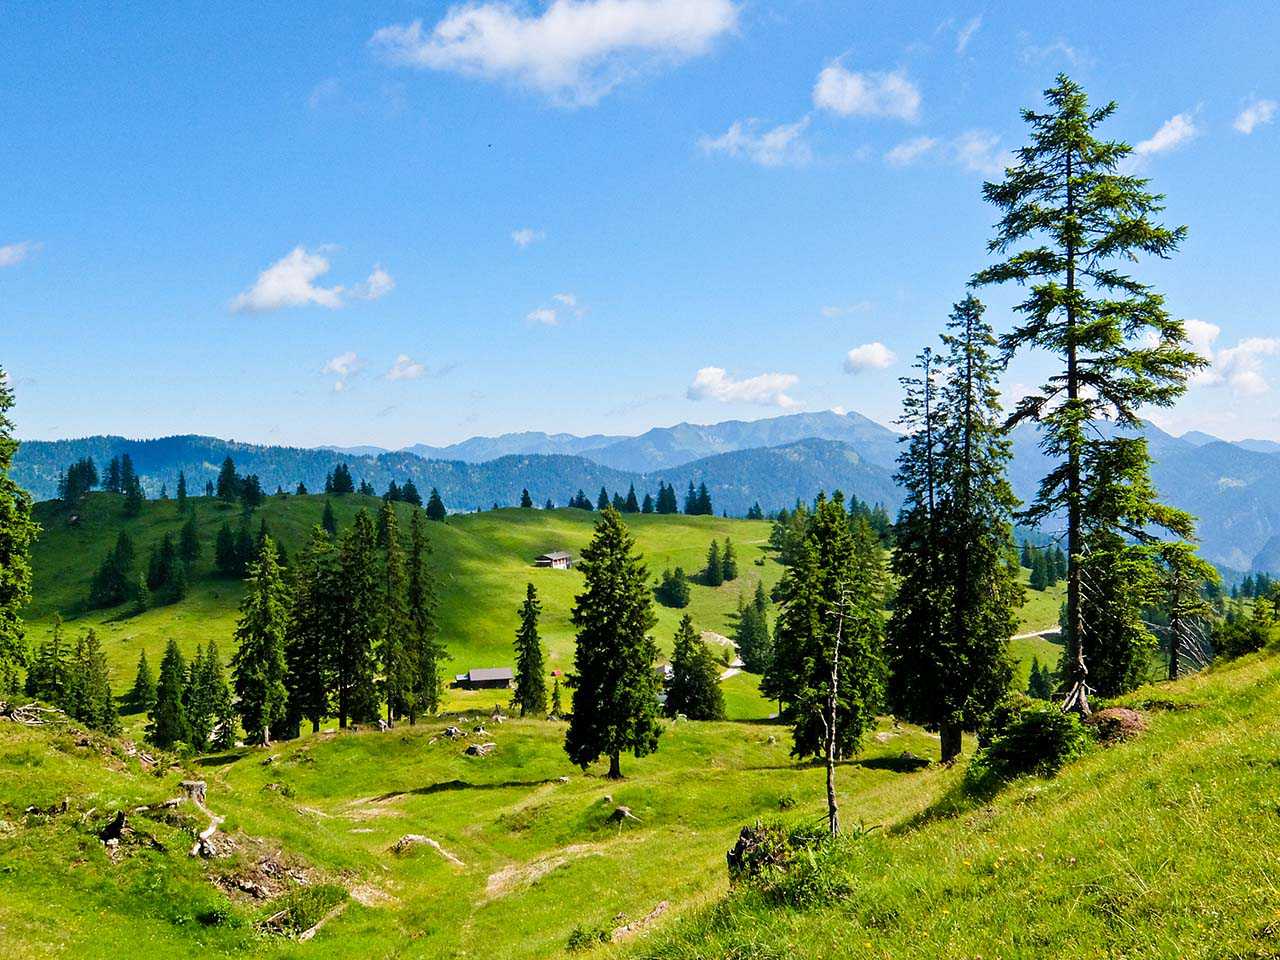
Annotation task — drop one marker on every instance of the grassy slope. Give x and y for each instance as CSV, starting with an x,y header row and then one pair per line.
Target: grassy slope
x,y
1161,847
482,563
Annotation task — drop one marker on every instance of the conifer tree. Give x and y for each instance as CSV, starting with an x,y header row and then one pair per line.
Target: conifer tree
x,y
311,649
168,717
142,696
89,696
115,580
1082,216
198,703
647,505
751,634
673,589
728,562
602,501
228,484
531,681
216,698
47,676
526,501
691,500
631,505
713,573
409,494
358,622
111,483
225,556
428,653
829,635
614,688
133,498
694,690
1025,559
1039,571
182,492
958,590
556,709
258,666
396,648
435,506
189,541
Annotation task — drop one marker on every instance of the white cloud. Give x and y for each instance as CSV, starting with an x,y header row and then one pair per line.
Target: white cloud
x,y
525,236
1059,52
779,146
767,389
869,356
14,253
834,312
379,284
1173,133
979,151
1240,368
965,34
568,299
909,151
574,51
543,315
1255,115
405,368
344,366
866,94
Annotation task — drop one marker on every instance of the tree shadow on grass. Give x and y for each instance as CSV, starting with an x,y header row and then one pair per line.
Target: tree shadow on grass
x,y
448,786
902,763
218,760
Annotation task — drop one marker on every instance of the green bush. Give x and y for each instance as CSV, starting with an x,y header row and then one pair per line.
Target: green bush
x,y
305,906
1026,738
584,937
796,867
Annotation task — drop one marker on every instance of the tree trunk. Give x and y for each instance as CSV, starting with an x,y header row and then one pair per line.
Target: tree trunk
x,y
952,740
315,726
615,767
833,806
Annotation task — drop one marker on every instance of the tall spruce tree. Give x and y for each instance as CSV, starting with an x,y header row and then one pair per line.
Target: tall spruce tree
x,y
531,680
526,501
713,572
311,650
328,521
694,690
435,506
182,492
829,636
399,663
1081,216
428,653
258,666
216,696
168,717
958,589
728,562
615,701
17,533
358,618
142,696
89,696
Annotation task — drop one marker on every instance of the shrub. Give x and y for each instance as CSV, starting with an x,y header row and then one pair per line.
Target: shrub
x,y
584,937
1033,739
1115,724
303,907
798,868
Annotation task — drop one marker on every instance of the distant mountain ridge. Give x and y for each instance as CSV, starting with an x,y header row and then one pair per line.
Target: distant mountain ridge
x,y
1233,488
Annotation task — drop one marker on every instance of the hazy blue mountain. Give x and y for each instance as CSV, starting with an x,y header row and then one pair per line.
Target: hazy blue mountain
x,y
664,447
1198,438
1259,446
480,449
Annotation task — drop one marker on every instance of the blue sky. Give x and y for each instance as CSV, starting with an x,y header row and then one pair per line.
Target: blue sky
x,y
414,222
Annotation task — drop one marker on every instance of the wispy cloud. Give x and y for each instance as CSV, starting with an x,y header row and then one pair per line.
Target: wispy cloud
x,y
572,51
980,152
869,356
766,389
344,366
871,94
405,368
1173,133
1256,114
1058,51
965,33
780,146
545,316
909,151
526,236
291,282
13,254
834,312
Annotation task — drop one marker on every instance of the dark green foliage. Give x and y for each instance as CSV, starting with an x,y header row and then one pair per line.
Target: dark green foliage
x,y
47,676
133,498
395,647
556,708
833,590
755,512
142,696
958,591
428,652
1041,684
713,572
168,717
526,501
531,682
751,633
366,489
357,618
115,580
311,649
409,494
697,502
728,562
182,492
580,501
614,688
88,697
1039,571
667,498
435,506
251,493
77,480
339,481
228,484
1237,635
1031,739
647,505
160,567
1082,217
189,542
618,503
694,689
631,504
328,521
794,867
602,501
258,666
673,589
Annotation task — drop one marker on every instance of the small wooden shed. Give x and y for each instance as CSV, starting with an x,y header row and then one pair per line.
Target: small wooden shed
x,y
555,559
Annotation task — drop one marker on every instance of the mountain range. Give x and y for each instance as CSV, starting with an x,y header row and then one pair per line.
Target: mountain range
x,y
1233,488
